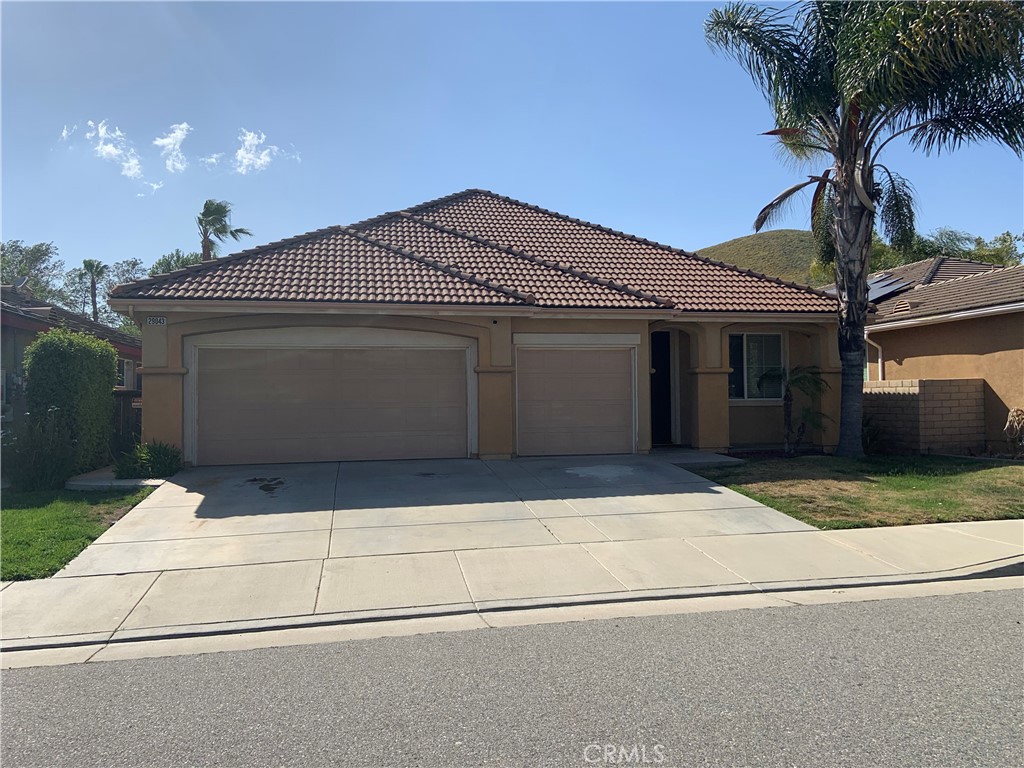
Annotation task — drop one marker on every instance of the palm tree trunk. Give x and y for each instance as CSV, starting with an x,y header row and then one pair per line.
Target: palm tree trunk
x,y
92,294
207,244
852,228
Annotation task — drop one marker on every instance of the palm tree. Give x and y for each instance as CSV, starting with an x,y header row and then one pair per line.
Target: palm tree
x,y
96,273
215,225
844,79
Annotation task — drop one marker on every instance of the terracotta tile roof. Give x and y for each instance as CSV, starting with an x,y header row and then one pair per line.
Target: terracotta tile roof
x,y
978,291
926,272
21,304
479,248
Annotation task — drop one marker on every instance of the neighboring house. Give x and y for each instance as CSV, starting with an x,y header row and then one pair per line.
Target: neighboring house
x,y
947,318
23,317
472,325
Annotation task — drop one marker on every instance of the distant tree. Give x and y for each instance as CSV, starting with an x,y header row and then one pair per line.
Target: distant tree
x,y
127,271
176,259
214,224
96,273
74,294
39,263
1003,249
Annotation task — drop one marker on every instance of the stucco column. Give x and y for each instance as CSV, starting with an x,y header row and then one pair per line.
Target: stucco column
x,y
710,408
161,383
710,377
496,394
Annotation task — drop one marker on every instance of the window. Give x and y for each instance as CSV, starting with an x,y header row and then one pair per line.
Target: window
x,y
125,374
751,355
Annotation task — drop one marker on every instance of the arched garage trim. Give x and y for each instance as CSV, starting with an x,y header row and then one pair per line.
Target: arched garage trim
x,y
320,337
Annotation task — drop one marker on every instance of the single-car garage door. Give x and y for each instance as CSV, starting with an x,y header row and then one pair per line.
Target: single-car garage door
x,y
574,401
289,405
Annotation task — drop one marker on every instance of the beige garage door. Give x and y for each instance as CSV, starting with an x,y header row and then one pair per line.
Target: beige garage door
x,y
574,401
283,405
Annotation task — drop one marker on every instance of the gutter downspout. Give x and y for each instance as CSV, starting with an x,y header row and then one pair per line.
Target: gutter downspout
x,y
881,362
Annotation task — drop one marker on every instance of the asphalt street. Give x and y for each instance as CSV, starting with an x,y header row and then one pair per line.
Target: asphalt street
x,y
934,681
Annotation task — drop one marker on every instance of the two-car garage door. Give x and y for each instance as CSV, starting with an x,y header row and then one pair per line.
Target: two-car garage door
x,y
327,395
328,404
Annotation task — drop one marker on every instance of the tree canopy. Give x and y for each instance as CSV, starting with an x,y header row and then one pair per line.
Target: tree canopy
x,y
845,78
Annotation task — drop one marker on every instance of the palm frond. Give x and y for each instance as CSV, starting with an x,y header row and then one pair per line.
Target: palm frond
x,y
896,209
774,209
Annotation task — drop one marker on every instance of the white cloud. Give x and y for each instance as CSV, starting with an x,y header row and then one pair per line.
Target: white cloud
x,y
252,155
65,134
211,161
170,147
112,144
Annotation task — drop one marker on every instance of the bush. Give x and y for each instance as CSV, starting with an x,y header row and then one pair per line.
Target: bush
x,y
70,379
149,460
40,454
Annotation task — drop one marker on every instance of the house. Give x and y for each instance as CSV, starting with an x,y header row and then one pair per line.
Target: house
x,y
23,317
471,325
953,319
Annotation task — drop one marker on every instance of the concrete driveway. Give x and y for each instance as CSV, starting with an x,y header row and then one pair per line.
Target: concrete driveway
x,y
224,548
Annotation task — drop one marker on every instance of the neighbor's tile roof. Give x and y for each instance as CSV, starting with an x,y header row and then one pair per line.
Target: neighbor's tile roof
x,y
479,248
22,304
937,269
987,289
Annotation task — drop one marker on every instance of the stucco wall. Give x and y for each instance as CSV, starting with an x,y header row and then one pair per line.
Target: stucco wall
x,y
989,348
761,423
164,368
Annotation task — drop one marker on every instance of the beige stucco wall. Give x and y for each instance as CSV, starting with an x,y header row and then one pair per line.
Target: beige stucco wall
x,y
989,348
706,419
164,368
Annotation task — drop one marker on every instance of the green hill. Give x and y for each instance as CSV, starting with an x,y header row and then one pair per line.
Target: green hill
x,y
785,253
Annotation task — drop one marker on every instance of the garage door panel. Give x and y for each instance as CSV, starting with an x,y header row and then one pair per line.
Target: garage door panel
x,y
574,401
365,403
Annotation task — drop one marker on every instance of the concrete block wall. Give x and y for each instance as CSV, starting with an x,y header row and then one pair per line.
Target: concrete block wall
x,y
928,415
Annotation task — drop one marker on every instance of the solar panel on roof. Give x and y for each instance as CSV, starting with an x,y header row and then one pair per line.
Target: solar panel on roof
x,y
880,291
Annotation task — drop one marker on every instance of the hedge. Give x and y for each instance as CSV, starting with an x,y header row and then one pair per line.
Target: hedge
x,y
71,376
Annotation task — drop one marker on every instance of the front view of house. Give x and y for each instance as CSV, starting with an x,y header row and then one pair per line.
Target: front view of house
x,y
473,325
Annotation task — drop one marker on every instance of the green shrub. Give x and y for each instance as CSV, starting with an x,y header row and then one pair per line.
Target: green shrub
x,y
40,454
149,460
71,377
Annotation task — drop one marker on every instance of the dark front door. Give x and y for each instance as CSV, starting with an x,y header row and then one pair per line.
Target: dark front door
x,y
661,388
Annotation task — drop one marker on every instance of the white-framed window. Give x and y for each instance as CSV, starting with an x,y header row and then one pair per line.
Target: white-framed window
x,y
751,355
125,374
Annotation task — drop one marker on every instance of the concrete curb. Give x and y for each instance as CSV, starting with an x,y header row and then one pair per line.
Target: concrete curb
x,y
311,621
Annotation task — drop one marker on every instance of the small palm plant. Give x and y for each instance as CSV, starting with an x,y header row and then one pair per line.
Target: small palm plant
x,y
215,227
802,378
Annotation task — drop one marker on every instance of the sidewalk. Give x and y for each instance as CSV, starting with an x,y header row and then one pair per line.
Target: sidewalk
x,y
87,614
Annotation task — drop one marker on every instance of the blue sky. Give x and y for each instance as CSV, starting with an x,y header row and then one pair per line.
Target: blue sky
x,y
307,115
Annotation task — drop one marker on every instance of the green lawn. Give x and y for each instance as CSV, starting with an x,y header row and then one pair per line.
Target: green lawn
x,y
40,531
893,490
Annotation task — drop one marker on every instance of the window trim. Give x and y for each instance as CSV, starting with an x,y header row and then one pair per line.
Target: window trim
x,y
127,373
783,351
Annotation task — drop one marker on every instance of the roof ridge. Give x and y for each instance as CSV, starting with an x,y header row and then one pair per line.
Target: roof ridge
x,y
937,261
206,265
655,244
441,266
1001,270
548,263
387,215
